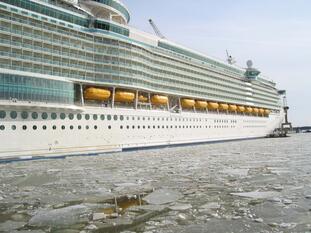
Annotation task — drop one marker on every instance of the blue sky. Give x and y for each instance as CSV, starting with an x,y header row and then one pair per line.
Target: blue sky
x,y
275,34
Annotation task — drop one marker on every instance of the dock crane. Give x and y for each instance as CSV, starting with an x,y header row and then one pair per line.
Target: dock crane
x,y
156,29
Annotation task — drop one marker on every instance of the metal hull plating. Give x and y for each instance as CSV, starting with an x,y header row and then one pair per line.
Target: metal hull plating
x,y
107,130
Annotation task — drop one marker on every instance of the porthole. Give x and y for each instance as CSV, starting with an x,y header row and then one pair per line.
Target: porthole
x,y
138,118
109,127
54,127
34,127
2,127
44,116
13,127
115,117
95,126
121,118
79,116
24,115
44,127
87,127
62,116
127,126
24,127
34,115
95,117
87,117
79,127
102,117
138,127
13,114
71,116
53,115
133,127
143,118
2,114
109,117
71,127
121,127
127,118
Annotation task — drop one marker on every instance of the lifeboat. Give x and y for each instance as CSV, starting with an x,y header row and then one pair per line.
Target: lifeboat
x,y
187,103
143,99
249,110
267,112
212,106
232,107
261,111
93,93
124,96
199,104
241,109
255,110
223,107
159,100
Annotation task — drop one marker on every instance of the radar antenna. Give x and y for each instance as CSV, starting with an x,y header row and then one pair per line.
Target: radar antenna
x,y
156,29
230,59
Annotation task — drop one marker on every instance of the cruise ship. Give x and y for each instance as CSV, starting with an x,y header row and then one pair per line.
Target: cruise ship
x,y
76,79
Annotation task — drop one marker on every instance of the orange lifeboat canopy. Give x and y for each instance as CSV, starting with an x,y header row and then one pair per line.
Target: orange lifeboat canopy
x,y
261,111
232,108
124,96
200,104
187,103
212,106
249,110
255,110
223,107
159,100
241,109
267,112
94,93
143,99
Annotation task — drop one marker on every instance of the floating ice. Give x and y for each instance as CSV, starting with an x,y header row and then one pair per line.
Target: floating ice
x,y
257,194
163,196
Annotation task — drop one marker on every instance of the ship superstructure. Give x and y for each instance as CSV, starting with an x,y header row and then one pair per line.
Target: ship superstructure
x,y
75,78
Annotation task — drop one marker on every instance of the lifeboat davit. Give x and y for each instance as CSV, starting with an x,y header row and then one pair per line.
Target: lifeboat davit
x,y
267,112
241,109
232,108
212,106
261,111
255,110
99,94
249,110
223,107
199,104
187,103
159,100
124,96
143,99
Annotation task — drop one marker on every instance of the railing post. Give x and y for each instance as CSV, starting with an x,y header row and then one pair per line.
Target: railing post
x,y
81,93
113,95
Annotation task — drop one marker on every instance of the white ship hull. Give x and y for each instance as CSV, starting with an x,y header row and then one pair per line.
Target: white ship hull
x,y
128,128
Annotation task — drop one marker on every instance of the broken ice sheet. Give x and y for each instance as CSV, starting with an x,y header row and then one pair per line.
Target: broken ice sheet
x,y
163,196
257,194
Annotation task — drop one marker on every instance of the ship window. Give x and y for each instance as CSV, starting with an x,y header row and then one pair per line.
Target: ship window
x,y
79,127
13,127
71,127
2,114
133,126
109,127
53,115
44,115
95,126
71,116
95,117
121,118
138,118
154,126
121,127
102,117
87,117
62,116
24,115
34,127
127,126
54,127
115,117
79,116
24,127
144,127
127,118
13,114
63,127
2,127
34,115
158,127
109,117
138,127
87,127
44,127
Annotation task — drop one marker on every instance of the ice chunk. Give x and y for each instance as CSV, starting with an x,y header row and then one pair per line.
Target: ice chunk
x,y
163,196
180,207
257,194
